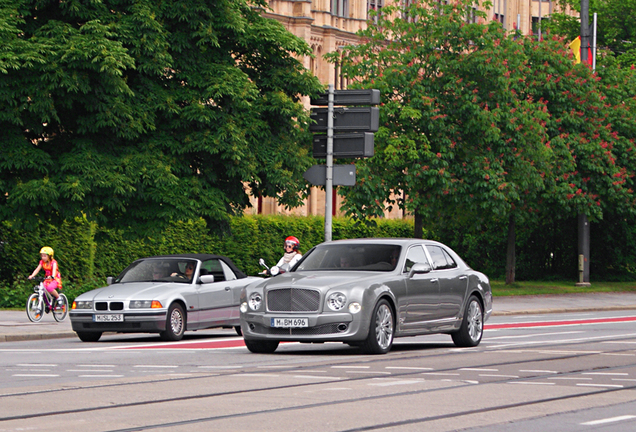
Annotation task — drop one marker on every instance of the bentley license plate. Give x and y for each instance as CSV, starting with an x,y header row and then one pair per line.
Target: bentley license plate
x,y
290,322
108,318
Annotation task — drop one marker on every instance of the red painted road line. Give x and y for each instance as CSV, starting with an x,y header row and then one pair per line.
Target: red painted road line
x,y
558,323
234,343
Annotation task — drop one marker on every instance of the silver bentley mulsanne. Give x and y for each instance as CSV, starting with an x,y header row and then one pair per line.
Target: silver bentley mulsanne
x,y
365,293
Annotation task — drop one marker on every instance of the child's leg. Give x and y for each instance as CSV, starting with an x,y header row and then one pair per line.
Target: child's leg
x,y
51,287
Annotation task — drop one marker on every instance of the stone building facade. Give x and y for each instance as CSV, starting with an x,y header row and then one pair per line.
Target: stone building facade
x,y
328,25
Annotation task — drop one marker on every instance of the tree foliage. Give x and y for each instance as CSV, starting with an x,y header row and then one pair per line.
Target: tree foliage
x,y
480,126
135,112
616,33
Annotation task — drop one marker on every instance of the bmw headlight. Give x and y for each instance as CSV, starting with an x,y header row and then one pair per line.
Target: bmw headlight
x,y
83,304
336,301
255,301
140,304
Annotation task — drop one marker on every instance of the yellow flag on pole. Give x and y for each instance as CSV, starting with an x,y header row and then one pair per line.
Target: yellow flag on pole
x,y
575,46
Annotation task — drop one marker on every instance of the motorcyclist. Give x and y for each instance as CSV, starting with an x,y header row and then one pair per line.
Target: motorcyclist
x,y
292,255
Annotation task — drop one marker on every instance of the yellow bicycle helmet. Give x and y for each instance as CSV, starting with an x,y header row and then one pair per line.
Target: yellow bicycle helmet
x,y
47,250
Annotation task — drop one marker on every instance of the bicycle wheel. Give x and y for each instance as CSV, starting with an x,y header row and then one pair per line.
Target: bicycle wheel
x,y
60,312
33,308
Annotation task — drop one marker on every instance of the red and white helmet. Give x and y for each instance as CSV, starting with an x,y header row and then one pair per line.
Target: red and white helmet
x,y
293,241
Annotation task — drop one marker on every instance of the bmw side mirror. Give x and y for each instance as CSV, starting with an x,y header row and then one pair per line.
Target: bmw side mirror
x,y
420,268
109,280
206,279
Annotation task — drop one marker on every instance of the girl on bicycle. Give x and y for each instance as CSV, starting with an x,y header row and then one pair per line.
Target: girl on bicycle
x,y
53,279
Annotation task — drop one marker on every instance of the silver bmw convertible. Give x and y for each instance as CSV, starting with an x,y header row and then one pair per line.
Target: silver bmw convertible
x,y
366,293
163,294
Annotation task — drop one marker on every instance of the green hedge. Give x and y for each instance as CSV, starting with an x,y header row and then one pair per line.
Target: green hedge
x,y
87,254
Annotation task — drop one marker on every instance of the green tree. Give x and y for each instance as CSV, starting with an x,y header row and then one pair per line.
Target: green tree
x,y
457,141
137,112
616,32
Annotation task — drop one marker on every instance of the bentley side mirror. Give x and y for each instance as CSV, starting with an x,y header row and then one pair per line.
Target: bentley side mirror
x,y
420,268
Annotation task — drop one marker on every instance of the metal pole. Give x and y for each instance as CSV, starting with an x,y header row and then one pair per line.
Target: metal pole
x,y
539,29
583,224
329,170
585,29
594,43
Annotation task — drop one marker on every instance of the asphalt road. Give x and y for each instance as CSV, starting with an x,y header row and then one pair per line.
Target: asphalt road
x,y
571,371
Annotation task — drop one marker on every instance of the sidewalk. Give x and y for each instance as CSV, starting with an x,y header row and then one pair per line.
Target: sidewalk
x,y
15,326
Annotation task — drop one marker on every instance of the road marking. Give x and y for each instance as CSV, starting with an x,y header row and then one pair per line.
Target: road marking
x,y
537,371
89,370
623,379
605,373
256,375
392,383
220,367
156,366
530,383
35,375
368,372
571,378
440,373
479,369
499,376
608,420
600,385
36,365
100,376
92,366
408,368
317,377
350,367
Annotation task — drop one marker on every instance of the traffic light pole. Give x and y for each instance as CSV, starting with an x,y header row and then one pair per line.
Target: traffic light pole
x,y
583,223
329,169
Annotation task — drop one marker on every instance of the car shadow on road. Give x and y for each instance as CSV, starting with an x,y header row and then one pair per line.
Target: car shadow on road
x,y
336,349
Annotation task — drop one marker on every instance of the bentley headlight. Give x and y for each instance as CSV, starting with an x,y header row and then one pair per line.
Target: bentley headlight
x,y
83,304
336,301
354,307
256,300
140,304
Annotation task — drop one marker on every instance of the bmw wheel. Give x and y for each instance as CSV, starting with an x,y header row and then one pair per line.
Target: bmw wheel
x,y
89,336
175,324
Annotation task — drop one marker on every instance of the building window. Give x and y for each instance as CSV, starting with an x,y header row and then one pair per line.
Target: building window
x,y
538,25
500,11
340,8
471,15
375,5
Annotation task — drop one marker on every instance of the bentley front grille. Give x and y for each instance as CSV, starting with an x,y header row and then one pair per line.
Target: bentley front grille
x,y
293,300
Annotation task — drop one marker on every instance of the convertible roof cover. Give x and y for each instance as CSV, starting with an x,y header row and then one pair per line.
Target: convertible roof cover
x,y
205,257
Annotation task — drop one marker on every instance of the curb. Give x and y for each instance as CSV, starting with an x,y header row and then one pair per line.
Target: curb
x,y
35,336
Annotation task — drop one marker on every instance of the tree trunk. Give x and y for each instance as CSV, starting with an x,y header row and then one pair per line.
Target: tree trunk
x,y
418,228
510,252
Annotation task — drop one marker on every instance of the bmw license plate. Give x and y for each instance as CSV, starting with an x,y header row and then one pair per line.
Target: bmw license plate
x,y
108,318
290,322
